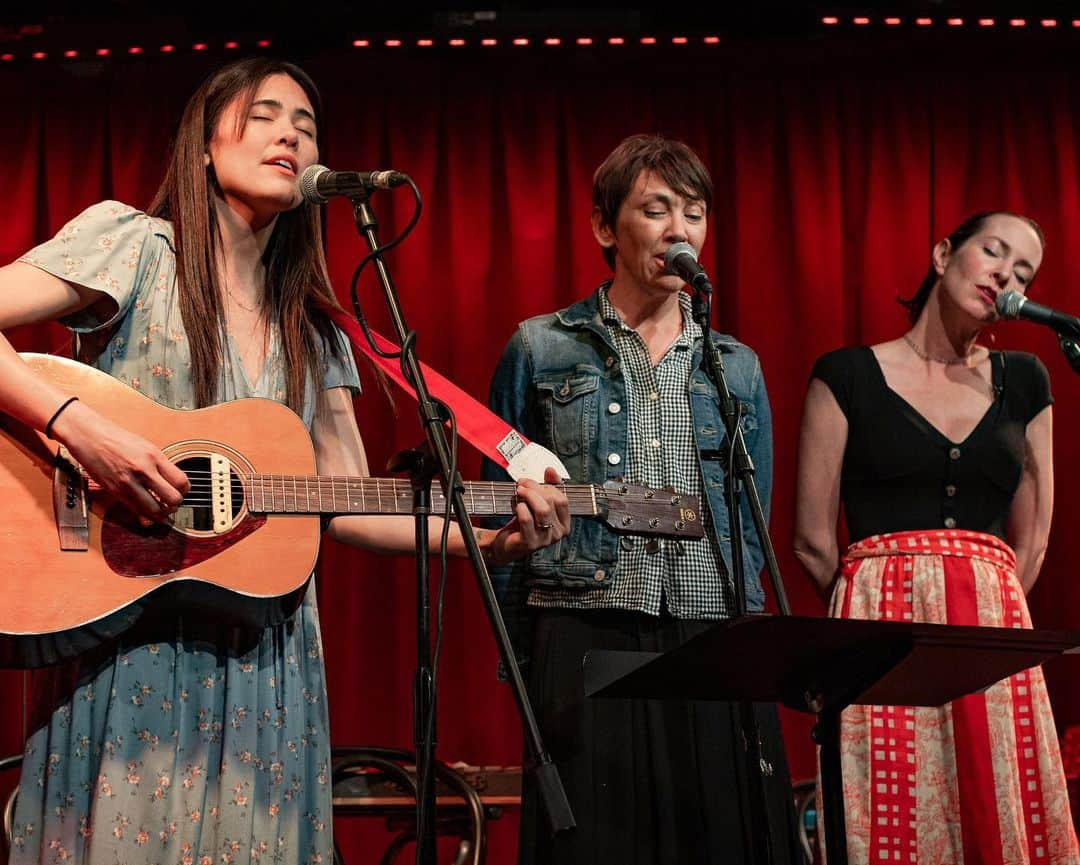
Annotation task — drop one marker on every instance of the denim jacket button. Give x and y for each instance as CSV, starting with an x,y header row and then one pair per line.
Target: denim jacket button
x,y
614,408
565,390
599,575
614,459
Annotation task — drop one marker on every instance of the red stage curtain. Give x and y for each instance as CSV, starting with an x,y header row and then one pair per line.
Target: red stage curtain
x,y
837,163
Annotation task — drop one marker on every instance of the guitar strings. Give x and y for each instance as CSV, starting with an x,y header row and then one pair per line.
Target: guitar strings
x,y
498,493
395,485
279,487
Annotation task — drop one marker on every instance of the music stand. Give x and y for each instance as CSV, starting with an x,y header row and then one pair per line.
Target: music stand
x,y
822,666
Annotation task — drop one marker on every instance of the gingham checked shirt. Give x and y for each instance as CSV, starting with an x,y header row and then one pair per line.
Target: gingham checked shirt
x,y
689,576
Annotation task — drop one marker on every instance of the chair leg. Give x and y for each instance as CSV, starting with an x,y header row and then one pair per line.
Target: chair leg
x,y
396,846
464,852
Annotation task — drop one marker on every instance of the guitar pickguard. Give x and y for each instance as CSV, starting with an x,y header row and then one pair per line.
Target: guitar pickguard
x,y
134,550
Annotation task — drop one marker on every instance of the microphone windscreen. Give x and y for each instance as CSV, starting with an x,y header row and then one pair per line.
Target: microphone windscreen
x,y
675,251
309,189
1008,303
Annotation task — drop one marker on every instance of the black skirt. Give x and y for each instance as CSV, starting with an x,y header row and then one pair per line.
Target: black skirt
x,y
650,782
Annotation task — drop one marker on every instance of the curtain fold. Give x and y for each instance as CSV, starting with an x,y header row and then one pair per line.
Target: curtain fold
x,y
838,163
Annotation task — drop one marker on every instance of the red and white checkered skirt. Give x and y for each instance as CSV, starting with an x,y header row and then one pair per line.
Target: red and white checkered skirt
x,y
978,780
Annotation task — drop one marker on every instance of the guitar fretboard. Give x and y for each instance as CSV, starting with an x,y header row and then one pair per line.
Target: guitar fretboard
x,y
299,494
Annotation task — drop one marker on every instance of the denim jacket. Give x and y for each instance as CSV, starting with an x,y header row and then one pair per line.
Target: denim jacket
x,y
554,383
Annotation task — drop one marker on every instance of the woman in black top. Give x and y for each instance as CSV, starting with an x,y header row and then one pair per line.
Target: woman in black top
x,y
940,451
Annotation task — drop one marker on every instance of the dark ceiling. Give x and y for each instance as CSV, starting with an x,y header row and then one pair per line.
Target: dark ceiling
x,y
195,17
302,24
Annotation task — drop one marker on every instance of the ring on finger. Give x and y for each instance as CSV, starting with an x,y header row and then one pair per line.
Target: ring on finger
x,y
543,526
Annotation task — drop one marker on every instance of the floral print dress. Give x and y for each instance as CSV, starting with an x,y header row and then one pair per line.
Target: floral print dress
x,y
177,749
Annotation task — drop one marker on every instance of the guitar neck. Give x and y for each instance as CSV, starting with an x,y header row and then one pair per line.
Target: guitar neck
x,y
298,494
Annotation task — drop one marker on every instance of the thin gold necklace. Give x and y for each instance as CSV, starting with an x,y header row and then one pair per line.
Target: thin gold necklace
x,y
240,303
925,355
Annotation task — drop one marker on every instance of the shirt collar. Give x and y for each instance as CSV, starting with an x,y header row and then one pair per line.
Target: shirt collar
x,y
690,329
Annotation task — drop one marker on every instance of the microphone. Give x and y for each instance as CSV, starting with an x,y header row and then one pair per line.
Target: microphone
x,y
681,260
1012,304
318,184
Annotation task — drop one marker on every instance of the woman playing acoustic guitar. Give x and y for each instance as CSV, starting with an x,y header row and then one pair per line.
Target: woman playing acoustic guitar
x,y
164,747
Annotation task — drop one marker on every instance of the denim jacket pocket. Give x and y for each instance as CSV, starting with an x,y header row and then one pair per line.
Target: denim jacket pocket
x,y
569,406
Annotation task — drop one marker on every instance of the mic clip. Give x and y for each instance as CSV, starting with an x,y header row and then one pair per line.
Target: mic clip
x,y
1071,351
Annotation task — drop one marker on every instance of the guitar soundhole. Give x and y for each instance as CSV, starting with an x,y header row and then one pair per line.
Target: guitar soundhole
x,y
197,511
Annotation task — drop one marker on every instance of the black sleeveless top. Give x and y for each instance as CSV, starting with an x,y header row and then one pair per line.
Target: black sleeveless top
x,y
900,473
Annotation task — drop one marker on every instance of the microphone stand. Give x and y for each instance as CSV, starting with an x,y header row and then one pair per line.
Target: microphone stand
x,y
546,775
740,478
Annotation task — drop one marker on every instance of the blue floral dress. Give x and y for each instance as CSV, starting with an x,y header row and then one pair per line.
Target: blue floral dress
x,y
183,750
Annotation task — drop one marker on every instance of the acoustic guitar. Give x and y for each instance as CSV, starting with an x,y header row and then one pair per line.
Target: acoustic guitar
x,y
78,567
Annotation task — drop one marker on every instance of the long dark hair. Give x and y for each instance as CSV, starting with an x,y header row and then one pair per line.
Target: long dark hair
x,y
959,236
296,273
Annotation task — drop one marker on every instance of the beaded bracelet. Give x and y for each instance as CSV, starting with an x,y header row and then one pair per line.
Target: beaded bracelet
x,y
56,414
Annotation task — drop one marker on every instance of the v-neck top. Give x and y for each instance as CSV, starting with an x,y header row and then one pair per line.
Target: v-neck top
x,y
136,333
901,473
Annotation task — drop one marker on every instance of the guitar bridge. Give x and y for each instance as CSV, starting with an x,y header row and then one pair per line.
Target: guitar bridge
x,y
221,492
69,503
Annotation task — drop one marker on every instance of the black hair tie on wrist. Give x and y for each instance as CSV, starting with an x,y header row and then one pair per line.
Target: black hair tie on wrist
x,y
56,414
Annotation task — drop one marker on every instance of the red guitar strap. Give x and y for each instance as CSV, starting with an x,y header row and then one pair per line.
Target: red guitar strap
x,y
478,425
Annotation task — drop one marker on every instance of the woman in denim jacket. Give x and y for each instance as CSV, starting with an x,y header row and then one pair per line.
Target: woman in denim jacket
x,y
615,386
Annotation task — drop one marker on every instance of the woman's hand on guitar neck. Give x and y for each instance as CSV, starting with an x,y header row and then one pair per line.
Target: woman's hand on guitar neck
x,y
542,517
124,464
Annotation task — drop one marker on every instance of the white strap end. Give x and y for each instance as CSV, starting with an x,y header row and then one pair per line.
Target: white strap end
x,y
530,462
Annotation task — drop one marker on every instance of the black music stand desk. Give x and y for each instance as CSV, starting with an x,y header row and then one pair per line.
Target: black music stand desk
x,y
822,665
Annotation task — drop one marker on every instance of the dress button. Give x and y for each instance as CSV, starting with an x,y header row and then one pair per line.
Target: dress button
x,y
614,408
954,453
614,459
950,523
950,490
599,575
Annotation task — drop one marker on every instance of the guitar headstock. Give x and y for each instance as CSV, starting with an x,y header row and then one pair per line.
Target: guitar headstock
x,y
638,510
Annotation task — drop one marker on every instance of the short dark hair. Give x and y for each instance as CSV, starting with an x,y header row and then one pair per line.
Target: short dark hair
x,y
673,161
959,236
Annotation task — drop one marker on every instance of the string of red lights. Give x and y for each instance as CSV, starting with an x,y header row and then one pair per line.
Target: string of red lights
x,y
864,21
829,21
